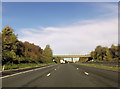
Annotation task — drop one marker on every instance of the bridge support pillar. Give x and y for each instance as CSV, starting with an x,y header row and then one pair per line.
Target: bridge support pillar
x,y
72,59
79,59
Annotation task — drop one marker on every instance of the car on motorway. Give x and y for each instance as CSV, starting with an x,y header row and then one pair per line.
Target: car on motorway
x,y
62,61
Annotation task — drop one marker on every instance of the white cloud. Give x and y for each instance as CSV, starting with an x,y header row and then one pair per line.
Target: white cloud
x,y
74,39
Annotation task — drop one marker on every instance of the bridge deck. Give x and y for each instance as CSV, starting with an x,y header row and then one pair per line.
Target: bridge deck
x,y
71,56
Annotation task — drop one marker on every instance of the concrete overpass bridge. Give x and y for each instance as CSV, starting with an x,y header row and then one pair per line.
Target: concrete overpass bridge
x,y
73,56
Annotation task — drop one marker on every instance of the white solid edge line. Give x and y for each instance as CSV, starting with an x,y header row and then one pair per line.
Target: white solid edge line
x,y
24,72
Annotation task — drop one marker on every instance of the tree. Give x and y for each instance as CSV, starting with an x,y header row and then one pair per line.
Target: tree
x,y
108,55
8,45
0,48
15,51
48,52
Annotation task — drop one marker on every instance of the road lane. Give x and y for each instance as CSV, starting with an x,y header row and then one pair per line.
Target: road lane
x,y
106,76
24,78
64,75
15,71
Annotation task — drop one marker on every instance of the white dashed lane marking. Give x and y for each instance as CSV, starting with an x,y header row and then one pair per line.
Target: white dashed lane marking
x,y
48,74
86,73
55,69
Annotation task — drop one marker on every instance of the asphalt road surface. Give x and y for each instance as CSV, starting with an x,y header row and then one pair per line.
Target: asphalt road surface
x,y
63,75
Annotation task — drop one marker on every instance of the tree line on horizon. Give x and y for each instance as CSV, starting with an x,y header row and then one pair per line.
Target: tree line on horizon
x,y
105,54
13,51
16,52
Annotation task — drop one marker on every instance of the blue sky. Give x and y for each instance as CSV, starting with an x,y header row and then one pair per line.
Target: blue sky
x,y
69,27
32,14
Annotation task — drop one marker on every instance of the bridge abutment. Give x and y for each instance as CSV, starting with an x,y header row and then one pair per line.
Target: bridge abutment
x,y
72,59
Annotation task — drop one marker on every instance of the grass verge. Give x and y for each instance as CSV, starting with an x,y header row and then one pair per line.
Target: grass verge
x,y
26,65
114,68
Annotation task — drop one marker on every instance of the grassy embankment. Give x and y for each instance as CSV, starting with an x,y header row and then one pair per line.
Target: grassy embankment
x,y
26,65
114,68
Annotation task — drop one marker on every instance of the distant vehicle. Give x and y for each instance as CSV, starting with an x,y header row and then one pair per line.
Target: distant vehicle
x,y
62,61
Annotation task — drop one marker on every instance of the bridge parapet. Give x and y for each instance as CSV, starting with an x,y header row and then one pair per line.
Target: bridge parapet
x,y
72,56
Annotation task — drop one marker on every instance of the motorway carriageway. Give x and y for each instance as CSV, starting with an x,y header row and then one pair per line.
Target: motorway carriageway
x,y
62,75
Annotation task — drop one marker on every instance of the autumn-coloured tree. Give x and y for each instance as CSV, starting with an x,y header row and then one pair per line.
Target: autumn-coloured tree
x,y
9,40
15,51
48,52
106,54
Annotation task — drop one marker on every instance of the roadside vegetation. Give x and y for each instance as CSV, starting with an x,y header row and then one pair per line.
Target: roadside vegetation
x,y
104,54
17,54
26,65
